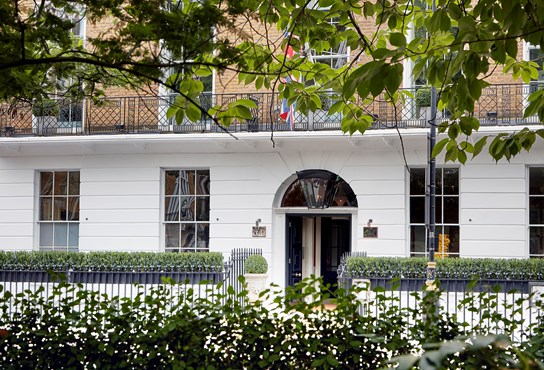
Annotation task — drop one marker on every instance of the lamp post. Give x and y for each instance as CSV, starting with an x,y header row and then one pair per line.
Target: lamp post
x,y
431,240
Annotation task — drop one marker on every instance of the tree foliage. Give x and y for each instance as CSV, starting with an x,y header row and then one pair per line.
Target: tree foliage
x,y
175,42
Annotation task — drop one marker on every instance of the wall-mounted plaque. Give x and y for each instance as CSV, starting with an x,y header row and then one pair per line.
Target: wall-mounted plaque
x,y
370,232
258,231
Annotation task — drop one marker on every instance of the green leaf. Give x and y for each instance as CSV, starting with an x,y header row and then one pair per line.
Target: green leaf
x,y
461,156
241,111
480,144
171,111
453,131
439,146
193,112
451,154
397,39
393,78
249,103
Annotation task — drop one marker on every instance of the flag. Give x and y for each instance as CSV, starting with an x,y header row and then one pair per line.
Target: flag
x,y
287,112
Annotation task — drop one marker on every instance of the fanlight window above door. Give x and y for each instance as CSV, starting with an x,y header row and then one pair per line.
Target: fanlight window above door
x,y
319,189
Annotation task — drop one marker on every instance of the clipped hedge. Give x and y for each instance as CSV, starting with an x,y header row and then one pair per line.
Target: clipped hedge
x,y
454,268
112,261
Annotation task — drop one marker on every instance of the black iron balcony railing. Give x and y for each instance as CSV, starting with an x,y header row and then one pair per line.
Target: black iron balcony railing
x,y
498,105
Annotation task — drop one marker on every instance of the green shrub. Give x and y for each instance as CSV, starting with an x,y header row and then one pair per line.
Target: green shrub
x,y
256,264
112,261
457,268
293,331
46,107
423,97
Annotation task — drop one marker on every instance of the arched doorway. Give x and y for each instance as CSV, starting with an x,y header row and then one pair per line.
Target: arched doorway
x,y
317,236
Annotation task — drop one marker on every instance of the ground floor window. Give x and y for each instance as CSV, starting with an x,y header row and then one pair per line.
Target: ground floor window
x,y
446,212
536,212
59,210
187,210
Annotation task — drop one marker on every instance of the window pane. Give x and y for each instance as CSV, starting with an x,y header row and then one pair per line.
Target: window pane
x,y
203,183
171,209
46,209
172,236
417,181
171,183
61,235
438,180
536,210
46,234
203,236
438,210
536,55
451,181
46,183
73,209
448,238
187,208
451,210
61,181
294,197
73,237
536,244
186,183
417,240
74,183
417,210
203,209
59,209
536,181
187,233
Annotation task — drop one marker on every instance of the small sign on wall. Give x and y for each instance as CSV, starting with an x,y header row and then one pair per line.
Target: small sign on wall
x,y
370,232
259,231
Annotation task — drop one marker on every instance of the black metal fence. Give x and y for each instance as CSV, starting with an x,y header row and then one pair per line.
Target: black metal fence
x,y
473,302
129,284
498,105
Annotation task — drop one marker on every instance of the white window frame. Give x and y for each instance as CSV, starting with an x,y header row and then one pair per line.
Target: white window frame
x,y
80,20
438,225
529,224
165,204
41,222
166,96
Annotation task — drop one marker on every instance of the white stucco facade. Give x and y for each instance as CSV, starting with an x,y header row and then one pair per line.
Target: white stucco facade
x,y
122,200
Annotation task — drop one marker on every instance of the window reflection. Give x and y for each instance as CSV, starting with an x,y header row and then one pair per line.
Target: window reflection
x,y
294,195
186,209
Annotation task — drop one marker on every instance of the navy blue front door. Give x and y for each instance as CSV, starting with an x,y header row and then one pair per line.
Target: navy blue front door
x,y
335,241
294,249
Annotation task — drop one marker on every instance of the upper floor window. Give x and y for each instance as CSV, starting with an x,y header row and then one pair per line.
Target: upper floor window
x,y
446,212
187,210
534,54
336,56
59,210
536,212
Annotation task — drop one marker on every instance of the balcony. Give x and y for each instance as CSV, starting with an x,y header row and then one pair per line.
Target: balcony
x,y
499,105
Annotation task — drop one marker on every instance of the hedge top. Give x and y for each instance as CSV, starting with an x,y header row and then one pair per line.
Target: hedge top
x,y
454,268
112,261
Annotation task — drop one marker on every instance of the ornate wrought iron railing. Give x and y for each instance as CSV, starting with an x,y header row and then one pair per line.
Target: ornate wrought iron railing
x,y
498,105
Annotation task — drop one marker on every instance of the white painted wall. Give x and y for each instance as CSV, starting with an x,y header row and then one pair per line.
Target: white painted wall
x,y
121,192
